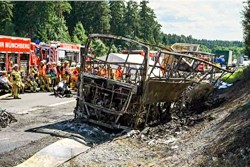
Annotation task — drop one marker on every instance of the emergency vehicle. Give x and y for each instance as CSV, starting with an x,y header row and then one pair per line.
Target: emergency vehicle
x,y
64,51
35,55
15,50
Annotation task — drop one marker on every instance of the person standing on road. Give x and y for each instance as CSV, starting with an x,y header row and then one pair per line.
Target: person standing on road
x,y
53,73
16,81
74,76
42,73
65,72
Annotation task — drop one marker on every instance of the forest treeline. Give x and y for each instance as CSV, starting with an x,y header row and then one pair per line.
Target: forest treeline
x,y
72,21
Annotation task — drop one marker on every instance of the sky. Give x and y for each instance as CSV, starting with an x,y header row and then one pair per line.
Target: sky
x,y
203,19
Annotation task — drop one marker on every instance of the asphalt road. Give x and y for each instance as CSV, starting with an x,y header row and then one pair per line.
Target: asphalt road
x,y
32,111
33,101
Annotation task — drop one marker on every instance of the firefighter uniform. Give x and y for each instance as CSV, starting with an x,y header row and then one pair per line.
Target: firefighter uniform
x,y
74,76
48,77
110,72
53,74
104,72
119,73
16,81
65,73
31,84
41,73
44,80
72,67
30,81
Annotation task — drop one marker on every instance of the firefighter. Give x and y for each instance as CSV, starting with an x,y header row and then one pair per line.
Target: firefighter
x,y
163,69
48,77
110,72
65,72
97,70
16,81
74,76
34,70
104,72
53,73
72,66
42,75
119,73
90,69
128,74
30,81
21,90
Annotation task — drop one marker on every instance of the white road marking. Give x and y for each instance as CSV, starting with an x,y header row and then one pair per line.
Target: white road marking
x,y
65,102
38,108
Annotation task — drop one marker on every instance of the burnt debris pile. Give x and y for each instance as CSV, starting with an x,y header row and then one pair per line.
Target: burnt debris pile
x,y
6,118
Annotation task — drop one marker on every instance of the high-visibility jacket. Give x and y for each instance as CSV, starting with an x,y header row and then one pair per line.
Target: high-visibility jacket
x,y
42,70
163,66
118,73
110,73
16,77
65,70
104,73
75,72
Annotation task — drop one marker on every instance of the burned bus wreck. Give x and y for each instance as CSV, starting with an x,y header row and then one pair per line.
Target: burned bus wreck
x,y
143,93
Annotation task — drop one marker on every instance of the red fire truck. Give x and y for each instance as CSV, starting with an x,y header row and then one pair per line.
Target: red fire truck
x,y
14,50
64,51
36,54
21,51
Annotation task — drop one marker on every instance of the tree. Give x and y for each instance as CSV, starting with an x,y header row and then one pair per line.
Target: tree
x,y
117,17
150,29
103,16
157,33
95,16
203,48
41,20
57,22
79,35
60,32
132,20
99,48
6,16
246,27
